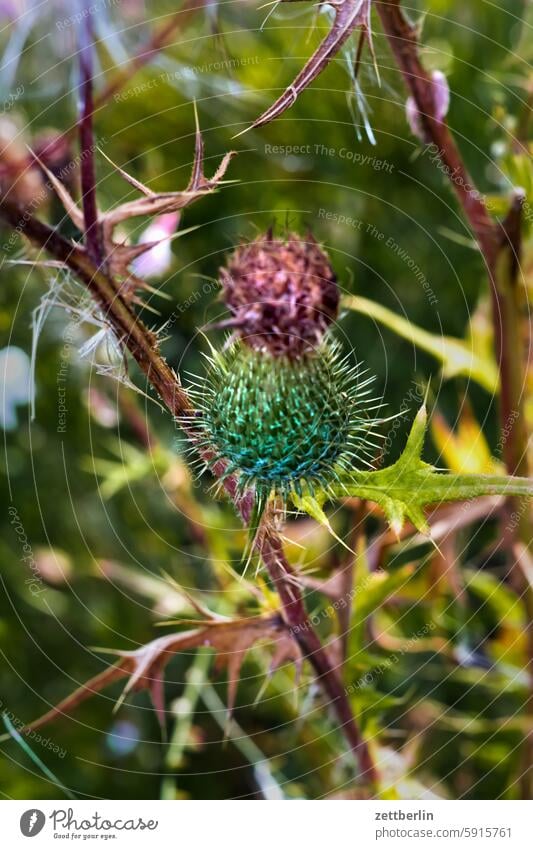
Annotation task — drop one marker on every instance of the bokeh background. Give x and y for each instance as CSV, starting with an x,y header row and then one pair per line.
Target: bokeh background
x,y
104,512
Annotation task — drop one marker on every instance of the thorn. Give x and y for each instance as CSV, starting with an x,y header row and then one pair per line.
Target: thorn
x,y
242,132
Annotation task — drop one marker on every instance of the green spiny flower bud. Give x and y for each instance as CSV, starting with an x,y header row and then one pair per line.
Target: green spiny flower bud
x,y
284,424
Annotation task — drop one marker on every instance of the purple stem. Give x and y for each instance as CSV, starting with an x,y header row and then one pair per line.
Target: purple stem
x,y
86,132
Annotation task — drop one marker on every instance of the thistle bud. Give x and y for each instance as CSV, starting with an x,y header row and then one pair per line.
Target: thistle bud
x,y
282,293
282,423
280,404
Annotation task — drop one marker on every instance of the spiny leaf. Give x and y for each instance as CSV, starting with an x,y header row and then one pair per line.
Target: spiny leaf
x,y
458,358
404,489
311,505
144,666
119,255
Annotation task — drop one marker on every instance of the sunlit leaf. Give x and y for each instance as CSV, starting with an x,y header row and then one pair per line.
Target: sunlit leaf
x,y
396,779
458,358
464,449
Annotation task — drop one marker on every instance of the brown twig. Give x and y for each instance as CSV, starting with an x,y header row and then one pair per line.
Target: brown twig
x,y
403,39
500,246
142,346
88,171
161,38
494,239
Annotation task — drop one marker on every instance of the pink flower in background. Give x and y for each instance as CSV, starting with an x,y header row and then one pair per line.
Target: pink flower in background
x,y
157,261
11,9
441,103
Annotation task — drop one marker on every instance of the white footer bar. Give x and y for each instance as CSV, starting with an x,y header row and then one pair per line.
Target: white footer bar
x,y
267,825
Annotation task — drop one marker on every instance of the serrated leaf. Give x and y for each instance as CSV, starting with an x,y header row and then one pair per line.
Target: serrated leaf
x,y
404,489
119,256
144,667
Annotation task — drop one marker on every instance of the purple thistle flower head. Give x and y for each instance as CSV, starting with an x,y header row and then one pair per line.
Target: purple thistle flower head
x,y
283,293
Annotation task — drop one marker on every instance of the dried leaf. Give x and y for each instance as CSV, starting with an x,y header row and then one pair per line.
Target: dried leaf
x,y
349,16
118,255
231,640
71,207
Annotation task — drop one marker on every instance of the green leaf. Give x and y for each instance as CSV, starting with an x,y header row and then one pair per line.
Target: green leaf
x,y
404,489
19,739
378,588
506,606
313,507
458,358
132,465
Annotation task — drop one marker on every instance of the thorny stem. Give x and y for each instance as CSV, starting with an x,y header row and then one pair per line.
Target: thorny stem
x,y
515,447
281,573
306,637
507,274
88,173
142,345
499,244
494,239
160,39
403,40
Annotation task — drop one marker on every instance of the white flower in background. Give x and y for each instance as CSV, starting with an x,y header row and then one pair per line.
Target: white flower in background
x,y
15,382
156,261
